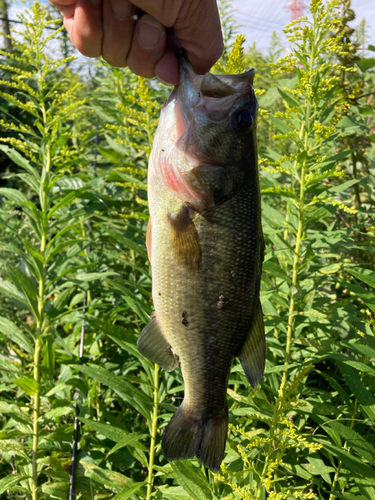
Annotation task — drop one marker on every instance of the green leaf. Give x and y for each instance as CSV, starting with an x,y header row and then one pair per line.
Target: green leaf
x,y
341,156
139,307
128,392
350,461
365,64
59,412
27,179
364,396
126,339
129,440
26,287
68,198
19,160
14,195
355,441
288,98
10,330
128,491
10,408
119,334
109,431
56,248
331,269
192,480
28,385
344,186
130,244
275,270
173,492
280,125
95,276
364,275
63,433
8,482
58,489
9,290
36,260
317,467
111,479
358,346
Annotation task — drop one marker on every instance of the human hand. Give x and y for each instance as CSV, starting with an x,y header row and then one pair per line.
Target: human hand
x,y
112,29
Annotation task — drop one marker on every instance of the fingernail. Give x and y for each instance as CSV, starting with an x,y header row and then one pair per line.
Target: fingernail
x,y
164,82
121,10
150,32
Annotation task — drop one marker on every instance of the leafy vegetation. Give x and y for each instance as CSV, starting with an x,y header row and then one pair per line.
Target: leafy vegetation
x,y
73,215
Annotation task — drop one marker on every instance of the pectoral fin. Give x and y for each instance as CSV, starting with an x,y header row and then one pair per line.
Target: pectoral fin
x,y
148,239
185,239
154,346
253,353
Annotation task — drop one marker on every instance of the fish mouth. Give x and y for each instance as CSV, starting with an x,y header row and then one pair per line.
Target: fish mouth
x,y
211,85
214,94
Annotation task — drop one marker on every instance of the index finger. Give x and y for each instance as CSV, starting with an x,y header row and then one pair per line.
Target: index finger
x,y
196,24
198,29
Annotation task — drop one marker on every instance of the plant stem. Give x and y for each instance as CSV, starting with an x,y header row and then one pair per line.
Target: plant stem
x,y
304,132
292,301
36,409
153,432
273,427
356,188
36,398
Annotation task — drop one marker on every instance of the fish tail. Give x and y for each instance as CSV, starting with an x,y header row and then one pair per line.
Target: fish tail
x,y
188,435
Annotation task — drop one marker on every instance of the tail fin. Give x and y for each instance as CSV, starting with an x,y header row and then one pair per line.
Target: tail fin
x,y
188,435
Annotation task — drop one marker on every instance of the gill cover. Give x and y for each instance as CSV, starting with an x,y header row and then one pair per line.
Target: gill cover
x,y
203,134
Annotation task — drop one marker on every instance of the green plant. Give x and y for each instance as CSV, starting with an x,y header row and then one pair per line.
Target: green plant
x,y
308,430
44,153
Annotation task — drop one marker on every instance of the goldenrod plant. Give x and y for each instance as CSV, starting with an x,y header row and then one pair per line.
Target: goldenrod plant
x,y
73,214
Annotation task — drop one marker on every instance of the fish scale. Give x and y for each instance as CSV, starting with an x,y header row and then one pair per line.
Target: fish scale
x,y
236,249
205,244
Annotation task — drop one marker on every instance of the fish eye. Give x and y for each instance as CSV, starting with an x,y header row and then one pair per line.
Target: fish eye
x,y
242,120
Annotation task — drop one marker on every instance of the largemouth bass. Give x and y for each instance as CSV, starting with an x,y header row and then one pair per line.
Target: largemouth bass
x,y
205,244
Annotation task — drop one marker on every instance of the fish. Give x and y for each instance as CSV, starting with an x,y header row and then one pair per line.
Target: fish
x,y
205,244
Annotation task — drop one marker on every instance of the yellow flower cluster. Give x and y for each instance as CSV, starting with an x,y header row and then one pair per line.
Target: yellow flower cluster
x,y
270,470
300,441
323,131
283,190
235,63
343,207
296,494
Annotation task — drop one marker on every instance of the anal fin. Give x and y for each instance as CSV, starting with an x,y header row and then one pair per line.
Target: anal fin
x,y
253,353
153,345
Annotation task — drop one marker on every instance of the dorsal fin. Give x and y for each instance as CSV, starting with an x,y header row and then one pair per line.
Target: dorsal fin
x,y
253,353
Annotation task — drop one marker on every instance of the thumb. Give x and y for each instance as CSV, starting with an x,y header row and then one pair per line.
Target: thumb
x,y
198,30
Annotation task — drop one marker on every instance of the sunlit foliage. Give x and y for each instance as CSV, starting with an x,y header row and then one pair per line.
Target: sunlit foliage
x,y
73,216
